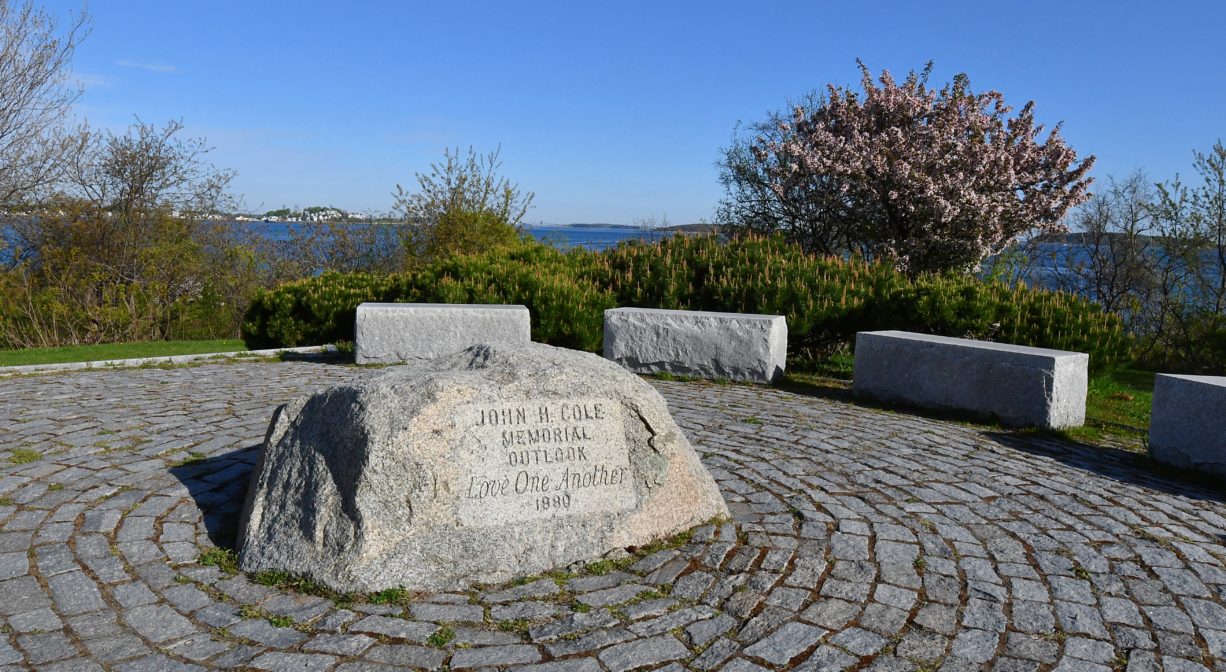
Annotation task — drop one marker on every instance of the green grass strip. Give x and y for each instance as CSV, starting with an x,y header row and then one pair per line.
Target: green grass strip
x,y
93,353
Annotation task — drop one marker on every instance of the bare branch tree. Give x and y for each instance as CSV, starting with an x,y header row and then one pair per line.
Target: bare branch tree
x,y
1111,257
35,97
147,168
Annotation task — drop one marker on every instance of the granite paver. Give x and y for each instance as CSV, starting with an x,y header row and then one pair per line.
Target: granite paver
x,y
860,539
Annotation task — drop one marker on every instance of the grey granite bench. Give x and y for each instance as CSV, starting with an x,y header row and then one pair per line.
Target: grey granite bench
x,y
1187,426
735,346
1018,385
386,333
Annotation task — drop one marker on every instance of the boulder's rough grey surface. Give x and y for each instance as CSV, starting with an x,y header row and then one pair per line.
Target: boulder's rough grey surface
x,y
1017,384
391,333
1188,422
735,346
481,466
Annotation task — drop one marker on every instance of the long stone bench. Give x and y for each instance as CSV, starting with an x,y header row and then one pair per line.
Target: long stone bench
x,y
387,333
734,346
1018,385
1187,426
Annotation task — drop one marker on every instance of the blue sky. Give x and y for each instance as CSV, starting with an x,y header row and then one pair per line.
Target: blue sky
x,y
612,112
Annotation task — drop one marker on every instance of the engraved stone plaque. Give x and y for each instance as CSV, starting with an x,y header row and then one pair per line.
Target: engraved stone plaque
x,y
498,462
541,459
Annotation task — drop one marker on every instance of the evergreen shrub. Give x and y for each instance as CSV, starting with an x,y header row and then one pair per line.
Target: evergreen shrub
x,y
826,300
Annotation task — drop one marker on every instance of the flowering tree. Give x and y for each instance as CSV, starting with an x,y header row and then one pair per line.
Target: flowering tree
x,y
930,180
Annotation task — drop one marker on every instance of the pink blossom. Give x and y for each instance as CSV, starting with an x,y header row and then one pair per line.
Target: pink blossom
x,y
928,179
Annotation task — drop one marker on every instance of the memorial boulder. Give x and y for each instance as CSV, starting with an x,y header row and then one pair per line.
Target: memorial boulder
x,y
494,463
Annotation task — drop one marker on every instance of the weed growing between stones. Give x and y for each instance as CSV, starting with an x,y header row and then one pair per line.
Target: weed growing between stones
x,y
288,581
519,626
275,620
524,580
227,561
676,541
250,611
560,576
192,458
650,594
24,456
240,358
398,596
109,450
606,565
221,558
1056,635
441,637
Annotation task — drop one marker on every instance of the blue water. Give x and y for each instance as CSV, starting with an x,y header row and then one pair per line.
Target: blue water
x,y
1050,266
565,237
593,238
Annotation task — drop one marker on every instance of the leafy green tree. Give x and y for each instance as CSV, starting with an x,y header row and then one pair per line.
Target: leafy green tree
x,y
462,205
468,232
127,251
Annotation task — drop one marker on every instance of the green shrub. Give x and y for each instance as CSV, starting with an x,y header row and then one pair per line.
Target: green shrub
x,y
468,232
994,310
567,310
312,311
1193,342
826,301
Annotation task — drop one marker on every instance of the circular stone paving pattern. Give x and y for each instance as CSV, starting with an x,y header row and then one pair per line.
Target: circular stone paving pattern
x,y
861,539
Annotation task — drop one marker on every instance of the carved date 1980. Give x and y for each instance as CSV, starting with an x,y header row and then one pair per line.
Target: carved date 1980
x,y
543,458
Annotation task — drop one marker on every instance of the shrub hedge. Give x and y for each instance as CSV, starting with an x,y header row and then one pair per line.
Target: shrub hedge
x,y
826,300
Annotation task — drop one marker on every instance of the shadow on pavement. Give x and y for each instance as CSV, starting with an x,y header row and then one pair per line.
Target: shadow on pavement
x,y
824,388
336,358
1116,464
218,484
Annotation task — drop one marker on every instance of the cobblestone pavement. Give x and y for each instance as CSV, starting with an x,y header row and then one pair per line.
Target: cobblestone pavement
x,y
862,539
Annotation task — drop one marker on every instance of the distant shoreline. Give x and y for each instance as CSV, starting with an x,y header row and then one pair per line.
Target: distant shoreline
x,y
688,228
